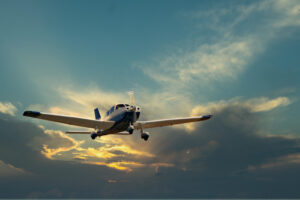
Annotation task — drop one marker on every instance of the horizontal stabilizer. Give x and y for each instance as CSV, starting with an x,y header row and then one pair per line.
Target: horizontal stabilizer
x,y
78,132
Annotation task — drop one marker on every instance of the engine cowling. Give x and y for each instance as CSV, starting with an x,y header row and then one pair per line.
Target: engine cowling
x,y
145,136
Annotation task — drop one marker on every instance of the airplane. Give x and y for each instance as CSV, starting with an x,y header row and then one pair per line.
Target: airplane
x,y
120,119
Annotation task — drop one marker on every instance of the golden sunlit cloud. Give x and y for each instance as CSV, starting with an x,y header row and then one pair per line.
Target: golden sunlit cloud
x,y
68,143
62,146
120,165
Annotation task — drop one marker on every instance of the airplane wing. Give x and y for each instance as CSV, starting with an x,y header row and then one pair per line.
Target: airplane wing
x,y
169,122
76,121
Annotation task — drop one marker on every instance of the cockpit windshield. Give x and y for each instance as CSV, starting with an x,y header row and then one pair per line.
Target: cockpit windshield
x,y
120,106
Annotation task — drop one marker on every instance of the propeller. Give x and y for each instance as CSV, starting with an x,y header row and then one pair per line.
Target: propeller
x,y
131,95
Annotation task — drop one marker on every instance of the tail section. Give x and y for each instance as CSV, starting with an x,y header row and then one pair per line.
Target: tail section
x,y
97,114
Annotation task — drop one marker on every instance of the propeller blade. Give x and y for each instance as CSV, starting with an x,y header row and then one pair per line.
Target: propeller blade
x,y
131,95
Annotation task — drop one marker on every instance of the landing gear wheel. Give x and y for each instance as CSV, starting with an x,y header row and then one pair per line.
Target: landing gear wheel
x,y
130,129
145,136
93,136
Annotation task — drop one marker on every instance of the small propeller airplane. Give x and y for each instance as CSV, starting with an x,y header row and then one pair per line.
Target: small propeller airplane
x,y
121,119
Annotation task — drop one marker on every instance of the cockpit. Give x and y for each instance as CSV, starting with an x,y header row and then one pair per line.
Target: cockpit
x,y
116,107
120,106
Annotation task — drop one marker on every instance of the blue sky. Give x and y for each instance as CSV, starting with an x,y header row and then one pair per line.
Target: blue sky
x,y
181,58
119,46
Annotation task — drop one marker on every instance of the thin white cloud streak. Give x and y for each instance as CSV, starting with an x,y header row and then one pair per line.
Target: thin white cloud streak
x,y
262,104
8,108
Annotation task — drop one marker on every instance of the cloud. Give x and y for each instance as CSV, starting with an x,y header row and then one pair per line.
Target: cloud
x,y
7,108
208,62
227,150
262,104
9,170
239,37
56,143
121,165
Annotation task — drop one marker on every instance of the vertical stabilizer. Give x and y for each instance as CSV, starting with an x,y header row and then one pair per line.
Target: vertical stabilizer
x,y
97,114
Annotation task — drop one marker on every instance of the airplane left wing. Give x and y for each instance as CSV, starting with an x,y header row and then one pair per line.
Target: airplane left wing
x,y
76,121
169,122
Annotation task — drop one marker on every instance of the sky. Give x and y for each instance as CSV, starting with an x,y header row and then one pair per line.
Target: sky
x,y
237,60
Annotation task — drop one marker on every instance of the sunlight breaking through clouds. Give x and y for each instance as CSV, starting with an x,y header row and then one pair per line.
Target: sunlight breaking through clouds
x,y
113,153
68,144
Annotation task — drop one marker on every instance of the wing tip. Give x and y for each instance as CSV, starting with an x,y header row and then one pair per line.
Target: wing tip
x,y
31,113
207,117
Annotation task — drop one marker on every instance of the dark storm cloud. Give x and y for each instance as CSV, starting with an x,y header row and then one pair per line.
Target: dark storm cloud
x,y
230,138
223,157
226,157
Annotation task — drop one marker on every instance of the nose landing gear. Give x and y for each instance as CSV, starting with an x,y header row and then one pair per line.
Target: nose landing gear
x,y
130,129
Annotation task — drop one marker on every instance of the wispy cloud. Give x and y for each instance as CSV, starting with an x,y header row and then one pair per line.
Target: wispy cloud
x,y
58,143
261,104
226,56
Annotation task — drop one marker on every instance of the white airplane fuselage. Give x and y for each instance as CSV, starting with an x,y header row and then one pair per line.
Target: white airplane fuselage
x,y
123,116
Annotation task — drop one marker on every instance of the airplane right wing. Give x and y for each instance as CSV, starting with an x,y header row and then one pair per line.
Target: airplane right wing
x,y
76,121
169,122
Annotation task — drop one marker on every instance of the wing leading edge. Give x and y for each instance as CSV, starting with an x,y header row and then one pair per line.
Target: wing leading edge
x,y
169,122
76,121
